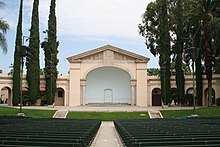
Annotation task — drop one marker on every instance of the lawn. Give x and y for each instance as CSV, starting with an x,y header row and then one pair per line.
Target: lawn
x,y
108,116
205,111
6,111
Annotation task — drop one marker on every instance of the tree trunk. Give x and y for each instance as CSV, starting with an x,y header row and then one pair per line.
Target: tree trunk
x,y
199,81
180,82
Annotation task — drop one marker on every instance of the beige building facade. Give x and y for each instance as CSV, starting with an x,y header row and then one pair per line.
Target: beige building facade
x,y
107,75
107,59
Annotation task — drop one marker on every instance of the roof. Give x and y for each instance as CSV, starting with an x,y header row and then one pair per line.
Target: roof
x,y
108,47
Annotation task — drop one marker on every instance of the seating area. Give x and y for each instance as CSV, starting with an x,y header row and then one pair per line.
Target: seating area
x,y
185,132
24,131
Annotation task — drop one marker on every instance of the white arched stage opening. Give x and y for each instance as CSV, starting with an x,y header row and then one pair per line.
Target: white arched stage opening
x,y
108,85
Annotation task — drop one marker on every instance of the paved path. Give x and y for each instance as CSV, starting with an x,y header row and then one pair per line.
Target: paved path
x,y
105,108
60,114
155,114
107,136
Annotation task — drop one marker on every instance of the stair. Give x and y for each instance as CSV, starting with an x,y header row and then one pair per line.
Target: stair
x,y
60,114
155,114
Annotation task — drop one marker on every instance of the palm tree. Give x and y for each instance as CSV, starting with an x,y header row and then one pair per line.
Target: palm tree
x,y
4,27
202,14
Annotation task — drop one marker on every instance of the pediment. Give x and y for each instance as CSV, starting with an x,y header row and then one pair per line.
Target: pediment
x,y
107,54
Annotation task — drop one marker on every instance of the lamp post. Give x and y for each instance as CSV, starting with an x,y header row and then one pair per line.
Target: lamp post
x,y
194,100
23,50
192,53
23,53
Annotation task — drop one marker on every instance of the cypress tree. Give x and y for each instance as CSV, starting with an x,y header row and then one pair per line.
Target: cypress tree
x,y
50,48
164,45
180,82
33,67
17,59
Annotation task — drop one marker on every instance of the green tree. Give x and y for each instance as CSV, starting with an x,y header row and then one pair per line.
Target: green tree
x,y
155,29
17,60
153,72
178,47
215,27
203,12
4,27
193,29
50,48
165,49
33,67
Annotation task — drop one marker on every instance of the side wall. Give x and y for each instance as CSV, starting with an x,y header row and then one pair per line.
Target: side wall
x,y
154,82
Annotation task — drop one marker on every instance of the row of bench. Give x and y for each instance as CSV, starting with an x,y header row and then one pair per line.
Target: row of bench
x,y
169,132
23,131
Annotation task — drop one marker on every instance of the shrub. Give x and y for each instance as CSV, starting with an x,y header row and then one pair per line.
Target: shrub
x,y
218,101
188,100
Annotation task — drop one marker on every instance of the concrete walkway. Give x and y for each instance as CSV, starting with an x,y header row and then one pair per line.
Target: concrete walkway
x,y
107,136
60,114
105,108
155,114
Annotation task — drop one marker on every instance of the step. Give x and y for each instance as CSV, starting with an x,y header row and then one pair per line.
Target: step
x,y
60,114
155,114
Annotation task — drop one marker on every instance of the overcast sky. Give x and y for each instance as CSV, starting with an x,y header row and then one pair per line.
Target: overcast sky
x,y
82,25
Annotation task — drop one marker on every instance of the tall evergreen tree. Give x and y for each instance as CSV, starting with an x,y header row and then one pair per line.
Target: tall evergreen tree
x,y
180,83
155,30
17,60
4,27
164,45
50,48
33,67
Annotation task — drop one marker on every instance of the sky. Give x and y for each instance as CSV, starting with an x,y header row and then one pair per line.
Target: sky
x,y
82,25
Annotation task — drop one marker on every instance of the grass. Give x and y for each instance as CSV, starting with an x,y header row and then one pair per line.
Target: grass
x,y
108,116
205,111
6,111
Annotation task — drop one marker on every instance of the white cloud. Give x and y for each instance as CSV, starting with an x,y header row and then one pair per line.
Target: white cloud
x,y
100,17
87,17
82,24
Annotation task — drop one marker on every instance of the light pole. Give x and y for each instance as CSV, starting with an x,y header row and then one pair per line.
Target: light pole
x,y
194,100
23,50
192,53
23,53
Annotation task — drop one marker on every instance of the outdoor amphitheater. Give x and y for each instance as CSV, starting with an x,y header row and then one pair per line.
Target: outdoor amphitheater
x,y
127,88
17,131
